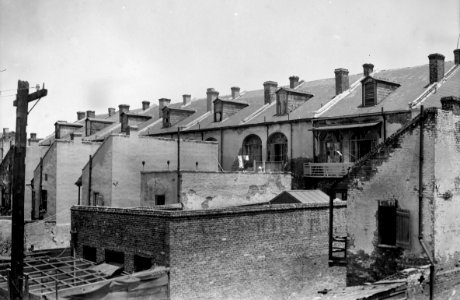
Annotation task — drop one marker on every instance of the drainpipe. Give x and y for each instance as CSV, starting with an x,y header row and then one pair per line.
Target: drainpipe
x,y
179,175
222,149
384,126
291,164
89,178
420,206
40,187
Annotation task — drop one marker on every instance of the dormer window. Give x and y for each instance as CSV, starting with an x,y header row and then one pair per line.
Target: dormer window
x,y
288,99
375,90
166,122
172,116
224,109
369,93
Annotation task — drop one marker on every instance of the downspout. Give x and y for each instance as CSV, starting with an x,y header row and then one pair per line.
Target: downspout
x,y
89,178
179,175
420,206
291,164
222,149
40,187
384,126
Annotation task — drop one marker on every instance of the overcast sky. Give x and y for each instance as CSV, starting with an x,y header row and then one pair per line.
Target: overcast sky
x,y
95,54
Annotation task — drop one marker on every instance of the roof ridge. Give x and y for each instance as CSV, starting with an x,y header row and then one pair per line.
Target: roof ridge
x,y
433,87
257,112
197,120
337,98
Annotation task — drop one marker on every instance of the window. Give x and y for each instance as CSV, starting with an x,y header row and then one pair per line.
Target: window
x,y
217,116
362,143
44,200
98,199
46,177
160,199
90,253
281,103
252,150
369,94
114,258
393,225
166,122
277,147
142,263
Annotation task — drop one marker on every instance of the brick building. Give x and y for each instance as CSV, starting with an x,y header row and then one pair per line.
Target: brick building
x,y
269,252
402,199
112,176
203,190
32,157
329,124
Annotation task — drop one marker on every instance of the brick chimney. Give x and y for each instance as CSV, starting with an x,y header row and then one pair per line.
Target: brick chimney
x,y
342,82
235,92
80,115
451,103
145,105
293,81
33,136
90,114
211,95
186,99
162,103
5,131
368,69
270,91
111,111
123,108
436,67
457,56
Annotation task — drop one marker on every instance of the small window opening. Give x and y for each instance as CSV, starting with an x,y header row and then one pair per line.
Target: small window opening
x,y
114,258
90,253
142,263
160,200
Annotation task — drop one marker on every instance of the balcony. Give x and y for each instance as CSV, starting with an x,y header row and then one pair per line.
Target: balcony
x,y
267,166
326,170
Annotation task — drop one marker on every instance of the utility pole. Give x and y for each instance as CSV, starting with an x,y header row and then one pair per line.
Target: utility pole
x,y
17,227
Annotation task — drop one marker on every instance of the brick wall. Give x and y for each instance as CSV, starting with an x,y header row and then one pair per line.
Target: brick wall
x,y
240,253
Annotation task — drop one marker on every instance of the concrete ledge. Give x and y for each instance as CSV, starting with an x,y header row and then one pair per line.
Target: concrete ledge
x,y
264,208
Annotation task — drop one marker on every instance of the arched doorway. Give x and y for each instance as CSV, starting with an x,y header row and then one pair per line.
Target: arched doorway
x,y
277,147
252,150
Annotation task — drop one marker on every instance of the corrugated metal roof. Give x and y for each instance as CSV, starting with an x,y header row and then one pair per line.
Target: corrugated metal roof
x,y
309,196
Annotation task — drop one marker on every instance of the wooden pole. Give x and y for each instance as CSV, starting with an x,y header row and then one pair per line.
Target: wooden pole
x,y
17,224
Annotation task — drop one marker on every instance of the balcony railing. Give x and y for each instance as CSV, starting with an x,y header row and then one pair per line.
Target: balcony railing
x,y
328,170
268,166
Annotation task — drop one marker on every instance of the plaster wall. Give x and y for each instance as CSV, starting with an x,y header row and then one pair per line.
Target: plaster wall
x,y
447,189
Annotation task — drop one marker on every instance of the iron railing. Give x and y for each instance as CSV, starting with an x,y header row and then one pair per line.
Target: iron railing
x,y
321,170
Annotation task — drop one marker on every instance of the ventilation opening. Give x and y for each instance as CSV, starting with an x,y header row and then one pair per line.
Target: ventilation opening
x,y
142,263
115,258
90,253
160,199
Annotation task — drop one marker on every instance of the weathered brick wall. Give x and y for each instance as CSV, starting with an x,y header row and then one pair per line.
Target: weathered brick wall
x,y
447,189
201,190
240,253
390,173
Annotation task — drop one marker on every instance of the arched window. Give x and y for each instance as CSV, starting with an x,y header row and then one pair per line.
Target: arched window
x,y
277,147
331,148
362,143
252,148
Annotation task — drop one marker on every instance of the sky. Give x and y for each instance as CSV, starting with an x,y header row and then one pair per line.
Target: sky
x,y
95,54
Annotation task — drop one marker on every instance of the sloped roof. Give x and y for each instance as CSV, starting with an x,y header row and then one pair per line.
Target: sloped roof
x,y
449,88
322,90
413,80
301,196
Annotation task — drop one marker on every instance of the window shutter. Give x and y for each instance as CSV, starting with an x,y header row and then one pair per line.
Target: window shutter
x,y
403,228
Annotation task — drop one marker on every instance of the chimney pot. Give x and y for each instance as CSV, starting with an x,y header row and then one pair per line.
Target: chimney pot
x,y
270,91
90,114
123,108
186,99
436,62
145,105
33,136
111,111
368,69
80,115
342,82
293,82
162,102
235,92
5,131
457,56
211,95
451,103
